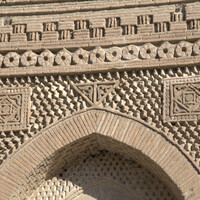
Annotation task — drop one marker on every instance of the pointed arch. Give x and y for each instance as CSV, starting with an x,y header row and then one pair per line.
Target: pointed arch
x,y
151,147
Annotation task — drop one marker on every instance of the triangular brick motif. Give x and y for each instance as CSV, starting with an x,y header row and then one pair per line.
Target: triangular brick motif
x,y
87,91
94,93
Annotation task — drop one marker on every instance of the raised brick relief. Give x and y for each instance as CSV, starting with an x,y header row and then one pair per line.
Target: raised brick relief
x,y
86,27
182,99
34,36
179,13
19,28
162,27
145,19
51,26
4,37
129,30
97,32
95,93
118,59
146,51
193,24
81,24
112,22
14,108
65,34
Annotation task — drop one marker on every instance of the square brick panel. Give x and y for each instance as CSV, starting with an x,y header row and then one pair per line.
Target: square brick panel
x,y
181,99
14,108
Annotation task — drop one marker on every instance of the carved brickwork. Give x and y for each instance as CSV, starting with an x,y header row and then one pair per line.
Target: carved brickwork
x,y
4,37
34,36
81,24
162,27
109,77
65,35
145,19
112,22
97,32
99,55
97,174
137,93
129,30
95,93
86,27
19,28
50,26
14,108
181,99
178,14
193,24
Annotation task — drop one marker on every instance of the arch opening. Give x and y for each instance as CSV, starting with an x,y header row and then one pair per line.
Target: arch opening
x,y
96,170
97,130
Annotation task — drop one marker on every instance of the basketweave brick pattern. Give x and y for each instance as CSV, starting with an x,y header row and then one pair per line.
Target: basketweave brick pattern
x,y
99,170
136,93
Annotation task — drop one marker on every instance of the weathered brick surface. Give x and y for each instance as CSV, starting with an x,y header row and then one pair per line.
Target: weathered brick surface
x,y
107,79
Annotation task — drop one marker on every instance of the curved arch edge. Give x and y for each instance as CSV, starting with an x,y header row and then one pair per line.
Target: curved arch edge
x,y
127,130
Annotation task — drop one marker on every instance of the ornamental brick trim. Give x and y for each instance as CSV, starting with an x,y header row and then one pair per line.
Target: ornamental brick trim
x,y
87,29
98,59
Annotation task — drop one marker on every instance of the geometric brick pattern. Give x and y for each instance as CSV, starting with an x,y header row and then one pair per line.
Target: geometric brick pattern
x,y
116,78
137,93
14,108
99,56
181,99
132,132
107,177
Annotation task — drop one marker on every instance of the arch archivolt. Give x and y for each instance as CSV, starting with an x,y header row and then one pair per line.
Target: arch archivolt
x,y
113,131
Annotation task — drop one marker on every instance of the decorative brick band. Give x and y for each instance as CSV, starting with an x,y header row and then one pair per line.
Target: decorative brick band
x,y
133,3
119,27
128,131
65,58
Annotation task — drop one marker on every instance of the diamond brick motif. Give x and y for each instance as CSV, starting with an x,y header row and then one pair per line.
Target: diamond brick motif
x,y
14,108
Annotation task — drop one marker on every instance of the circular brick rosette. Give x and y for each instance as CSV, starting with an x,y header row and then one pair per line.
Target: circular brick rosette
x,y
114,54
148,51
183,49
63,57
80,56
11,59
166,50
46,58
130,52
196,48
97,55
29,59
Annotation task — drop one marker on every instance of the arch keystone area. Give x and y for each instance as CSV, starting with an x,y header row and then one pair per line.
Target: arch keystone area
x,y
150,148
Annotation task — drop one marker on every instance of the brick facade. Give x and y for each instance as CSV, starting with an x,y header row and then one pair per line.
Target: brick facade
x,y
94,94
